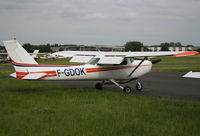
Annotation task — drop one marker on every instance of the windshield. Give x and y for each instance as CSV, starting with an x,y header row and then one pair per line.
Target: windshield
x,y
93,61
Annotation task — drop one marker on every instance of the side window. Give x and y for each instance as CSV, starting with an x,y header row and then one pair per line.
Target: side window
x,y
94,61
124,62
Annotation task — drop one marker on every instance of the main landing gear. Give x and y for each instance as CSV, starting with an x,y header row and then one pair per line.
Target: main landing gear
x,y
126,89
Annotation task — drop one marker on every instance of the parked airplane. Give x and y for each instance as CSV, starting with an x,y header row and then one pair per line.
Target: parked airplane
x,y
115,68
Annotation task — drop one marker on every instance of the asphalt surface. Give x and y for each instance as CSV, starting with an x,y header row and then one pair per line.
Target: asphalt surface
x,y
159,84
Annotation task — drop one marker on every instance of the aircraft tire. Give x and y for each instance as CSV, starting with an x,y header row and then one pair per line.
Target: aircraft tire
x,y
139,86
99,86
127,89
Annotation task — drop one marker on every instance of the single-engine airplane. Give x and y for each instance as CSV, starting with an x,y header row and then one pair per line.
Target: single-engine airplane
x,y
110,68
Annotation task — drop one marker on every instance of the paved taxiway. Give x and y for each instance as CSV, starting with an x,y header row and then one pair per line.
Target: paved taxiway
x,y
159,84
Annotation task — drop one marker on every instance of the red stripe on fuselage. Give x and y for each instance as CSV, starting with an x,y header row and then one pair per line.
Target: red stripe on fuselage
x,y
90,70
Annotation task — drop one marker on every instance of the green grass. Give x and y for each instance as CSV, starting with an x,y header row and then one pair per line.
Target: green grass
x,y
57,61
42,109
5,65
170,63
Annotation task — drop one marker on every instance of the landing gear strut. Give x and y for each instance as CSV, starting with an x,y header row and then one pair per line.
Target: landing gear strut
x,y
126,89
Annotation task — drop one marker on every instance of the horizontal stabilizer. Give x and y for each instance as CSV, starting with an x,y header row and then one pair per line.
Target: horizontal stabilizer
x,y
35,76
13,75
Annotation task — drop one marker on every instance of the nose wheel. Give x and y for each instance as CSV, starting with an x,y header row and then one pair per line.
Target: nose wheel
x,y
139,86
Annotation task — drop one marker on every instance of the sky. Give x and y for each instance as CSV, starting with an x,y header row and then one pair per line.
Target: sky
x,y
100,22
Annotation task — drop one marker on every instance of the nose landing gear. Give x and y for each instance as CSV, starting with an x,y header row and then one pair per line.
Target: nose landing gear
x,y
139,86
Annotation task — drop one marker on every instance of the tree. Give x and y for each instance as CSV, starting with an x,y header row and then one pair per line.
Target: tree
x,y
198,50
28,47
165,46
178,44
133,46
61,49
190,46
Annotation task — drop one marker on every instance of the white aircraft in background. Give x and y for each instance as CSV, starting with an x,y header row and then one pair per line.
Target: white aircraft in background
x,y
49,56
115,68
192,74
4,56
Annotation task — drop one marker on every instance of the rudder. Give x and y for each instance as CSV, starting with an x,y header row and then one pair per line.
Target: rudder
x,y
17,53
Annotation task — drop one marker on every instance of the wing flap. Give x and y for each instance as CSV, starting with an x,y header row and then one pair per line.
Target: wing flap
x,y
81,59
110,60
35,76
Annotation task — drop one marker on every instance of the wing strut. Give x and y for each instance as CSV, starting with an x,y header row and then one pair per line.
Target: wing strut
x,y
137,66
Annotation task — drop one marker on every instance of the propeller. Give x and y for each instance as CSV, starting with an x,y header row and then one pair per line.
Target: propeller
x,y
156,61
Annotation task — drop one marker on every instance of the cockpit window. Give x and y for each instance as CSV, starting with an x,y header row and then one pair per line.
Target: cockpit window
x,y
124,62
93,61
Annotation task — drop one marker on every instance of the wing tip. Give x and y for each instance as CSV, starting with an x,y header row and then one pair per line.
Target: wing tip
x,y
189,53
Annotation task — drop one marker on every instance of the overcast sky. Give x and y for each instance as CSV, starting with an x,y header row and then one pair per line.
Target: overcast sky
x,y
105,22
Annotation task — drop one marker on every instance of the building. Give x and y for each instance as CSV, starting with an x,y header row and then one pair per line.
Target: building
x,y
182,48
114,48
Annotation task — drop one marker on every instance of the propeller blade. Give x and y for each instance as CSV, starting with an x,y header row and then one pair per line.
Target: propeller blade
x,y
156,61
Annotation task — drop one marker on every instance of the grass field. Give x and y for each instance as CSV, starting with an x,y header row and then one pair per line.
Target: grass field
x,y
42,109
170,63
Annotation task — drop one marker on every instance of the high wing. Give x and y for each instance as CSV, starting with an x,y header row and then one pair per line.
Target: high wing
x,y
116,57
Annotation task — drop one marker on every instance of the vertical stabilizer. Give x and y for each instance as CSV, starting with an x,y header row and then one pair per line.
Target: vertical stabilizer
x,y
35,54
17,53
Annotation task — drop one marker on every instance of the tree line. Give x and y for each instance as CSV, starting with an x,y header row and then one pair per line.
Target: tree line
x,y
129,46
137,46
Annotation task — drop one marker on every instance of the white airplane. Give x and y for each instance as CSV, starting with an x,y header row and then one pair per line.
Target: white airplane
x,y
49,56
115,68
35,54
192,74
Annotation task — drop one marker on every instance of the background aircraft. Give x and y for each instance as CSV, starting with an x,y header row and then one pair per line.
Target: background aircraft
x,y
109,67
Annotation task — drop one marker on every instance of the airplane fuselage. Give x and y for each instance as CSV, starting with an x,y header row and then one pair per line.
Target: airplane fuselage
x,y
88,71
